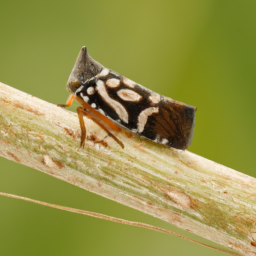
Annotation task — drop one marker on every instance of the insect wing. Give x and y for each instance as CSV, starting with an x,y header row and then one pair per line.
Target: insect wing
x,y
140,110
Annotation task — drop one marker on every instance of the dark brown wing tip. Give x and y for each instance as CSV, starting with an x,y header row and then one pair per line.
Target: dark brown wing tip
x,y
191,114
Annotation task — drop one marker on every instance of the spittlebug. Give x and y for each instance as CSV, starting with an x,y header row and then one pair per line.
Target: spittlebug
x,y
113,101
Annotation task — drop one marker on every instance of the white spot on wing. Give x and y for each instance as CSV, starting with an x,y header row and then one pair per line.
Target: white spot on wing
x,y
101,111
115,105
113,83
93,105
129,95
104,72
79,89
90,91
143,117
85,98
128,82
164,141
154,98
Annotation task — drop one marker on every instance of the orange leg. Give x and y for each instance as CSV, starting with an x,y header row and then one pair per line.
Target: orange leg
x,y
81,113
105,123
84,112
69,102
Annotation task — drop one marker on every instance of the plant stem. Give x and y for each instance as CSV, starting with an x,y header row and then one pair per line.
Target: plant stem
x,y
113,219
176,186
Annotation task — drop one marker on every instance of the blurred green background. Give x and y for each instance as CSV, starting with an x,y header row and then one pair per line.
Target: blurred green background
x,y
200,52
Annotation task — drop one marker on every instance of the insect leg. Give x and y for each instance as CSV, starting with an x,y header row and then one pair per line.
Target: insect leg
x,y
85,112
69,101
81,113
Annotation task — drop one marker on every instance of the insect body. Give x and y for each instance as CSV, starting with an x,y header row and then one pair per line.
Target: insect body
x,y
112,100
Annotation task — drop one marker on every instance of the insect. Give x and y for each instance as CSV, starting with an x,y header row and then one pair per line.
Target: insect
x,y
113,101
